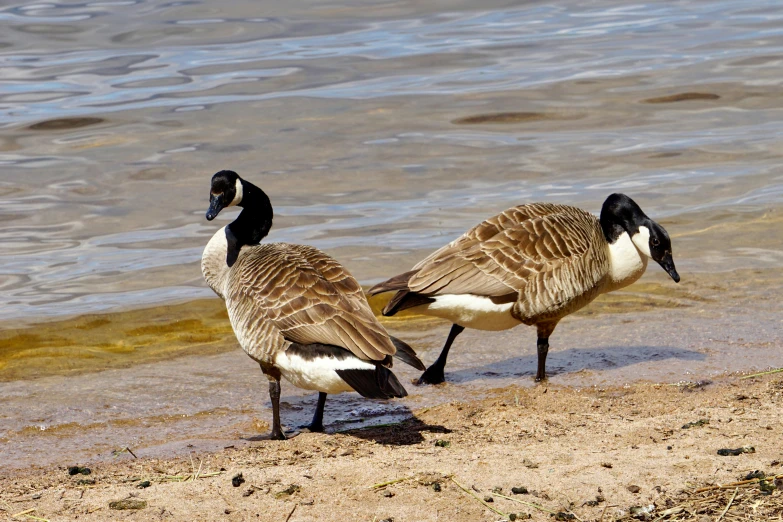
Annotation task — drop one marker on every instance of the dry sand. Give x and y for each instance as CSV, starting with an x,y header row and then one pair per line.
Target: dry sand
x,y
590,454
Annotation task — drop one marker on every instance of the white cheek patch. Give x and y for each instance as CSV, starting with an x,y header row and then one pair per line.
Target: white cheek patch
x,y
626,262
642,241
238,197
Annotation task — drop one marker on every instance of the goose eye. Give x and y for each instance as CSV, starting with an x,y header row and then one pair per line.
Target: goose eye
x,y
655,242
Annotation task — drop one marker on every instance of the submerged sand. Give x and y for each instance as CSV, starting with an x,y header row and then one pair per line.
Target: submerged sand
x,y
600,453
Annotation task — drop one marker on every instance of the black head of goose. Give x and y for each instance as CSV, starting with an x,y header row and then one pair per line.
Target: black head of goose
x,y
295,310
531,264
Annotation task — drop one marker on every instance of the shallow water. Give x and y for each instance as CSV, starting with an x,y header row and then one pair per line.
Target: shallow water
x,y
380,130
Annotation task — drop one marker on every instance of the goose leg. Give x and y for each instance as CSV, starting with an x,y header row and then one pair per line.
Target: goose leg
x,y
543,350
544,331
274,395
317,426
434,374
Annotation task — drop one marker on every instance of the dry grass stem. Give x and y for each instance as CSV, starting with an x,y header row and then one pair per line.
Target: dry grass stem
x,y
530,504
390,482
770,372
723,513
466,490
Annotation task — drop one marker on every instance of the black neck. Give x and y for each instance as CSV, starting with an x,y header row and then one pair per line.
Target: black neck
x,y
621,214
254,222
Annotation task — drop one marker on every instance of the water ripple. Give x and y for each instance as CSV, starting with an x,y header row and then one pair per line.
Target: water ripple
x,y
376,134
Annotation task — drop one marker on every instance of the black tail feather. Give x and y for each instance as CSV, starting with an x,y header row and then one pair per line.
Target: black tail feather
x,y
406,354
380,383
403,300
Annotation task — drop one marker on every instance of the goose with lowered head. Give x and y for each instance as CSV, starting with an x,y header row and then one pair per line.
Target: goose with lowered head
x,y
295,310
531,264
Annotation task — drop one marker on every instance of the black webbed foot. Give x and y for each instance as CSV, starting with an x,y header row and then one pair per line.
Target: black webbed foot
x,y
433,375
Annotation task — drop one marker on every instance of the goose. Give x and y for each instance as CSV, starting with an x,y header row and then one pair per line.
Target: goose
x,y
532,264
294,310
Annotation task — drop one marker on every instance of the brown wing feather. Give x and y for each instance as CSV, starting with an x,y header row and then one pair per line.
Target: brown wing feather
x,y
528,249
310,298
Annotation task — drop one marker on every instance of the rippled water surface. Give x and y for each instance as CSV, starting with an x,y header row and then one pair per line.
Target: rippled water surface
x,y
380,130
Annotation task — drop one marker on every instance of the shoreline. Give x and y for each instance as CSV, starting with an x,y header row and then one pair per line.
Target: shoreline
x,y
86,343
593,453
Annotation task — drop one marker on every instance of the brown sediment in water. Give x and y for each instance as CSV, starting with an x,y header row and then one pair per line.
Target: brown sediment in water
x,y
115,340
513,117
683,96
65,123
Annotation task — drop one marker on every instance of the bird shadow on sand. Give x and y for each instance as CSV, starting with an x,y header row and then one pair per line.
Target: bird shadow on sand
x,y
403,433
573,360
386,422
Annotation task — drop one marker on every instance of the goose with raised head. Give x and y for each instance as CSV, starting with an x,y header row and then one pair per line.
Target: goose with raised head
x,y
531,264
295,310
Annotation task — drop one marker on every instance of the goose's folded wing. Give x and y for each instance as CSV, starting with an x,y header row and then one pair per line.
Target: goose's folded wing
x,y
506,253
310,298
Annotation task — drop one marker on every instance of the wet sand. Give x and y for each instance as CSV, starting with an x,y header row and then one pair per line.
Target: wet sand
x,y
595,453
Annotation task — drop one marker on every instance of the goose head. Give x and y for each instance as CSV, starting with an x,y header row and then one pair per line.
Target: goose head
x,y
620,214
226,191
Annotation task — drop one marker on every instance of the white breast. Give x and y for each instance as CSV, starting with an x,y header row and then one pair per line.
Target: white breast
x,y
627,263
319,373
471,311
213,263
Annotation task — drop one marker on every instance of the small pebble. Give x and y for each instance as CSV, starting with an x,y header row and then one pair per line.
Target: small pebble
x,y
436,487
519,490
606,465
634,488
726,452
75,470
442,443
668,448
128,503
227,511
307,502
488,499
696,424
765,487
237,480
287,492
85,482
755,475
388,494
143,484
512,516
248,492
529,464
642,511
497,489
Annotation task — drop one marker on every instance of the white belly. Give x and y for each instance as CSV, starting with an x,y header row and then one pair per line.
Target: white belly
x,y
471,311
319,374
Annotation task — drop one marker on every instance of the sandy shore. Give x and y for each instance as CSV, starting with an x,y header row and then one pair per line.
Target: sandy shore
x,y
589,454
